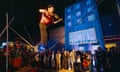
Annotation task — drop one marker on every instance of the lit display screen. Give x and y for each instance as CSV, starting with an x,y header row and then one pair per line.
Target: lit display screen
x,y
86,36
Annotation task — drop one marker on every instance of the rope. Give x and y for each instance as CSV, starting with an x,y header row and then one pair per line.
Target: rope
x,y
28,34
53,46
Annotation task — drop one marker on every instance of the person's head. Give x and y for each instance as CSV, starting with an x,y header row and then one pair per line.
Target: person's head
x,y
51,8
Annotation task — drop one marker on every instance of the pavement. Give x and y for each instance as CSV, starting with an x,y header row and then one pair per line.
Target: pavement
x,y
31,69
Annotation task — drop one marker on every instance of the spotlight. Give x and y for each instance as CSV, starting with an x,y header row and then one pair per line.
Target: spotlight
x,y
41,47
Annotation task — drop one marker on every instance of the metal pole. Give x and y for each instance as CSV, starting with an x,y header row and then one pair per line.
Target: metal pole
x,y
118,6
7,42
21,36
6,27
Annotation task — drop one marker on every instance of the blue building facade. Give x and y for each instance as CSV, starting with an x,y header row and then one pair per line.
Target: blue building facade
x,y
82,26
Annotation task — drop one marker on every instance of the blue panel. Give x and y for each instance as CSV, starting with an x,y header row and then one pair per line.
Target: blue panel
x,y
77,6
88,2
82,25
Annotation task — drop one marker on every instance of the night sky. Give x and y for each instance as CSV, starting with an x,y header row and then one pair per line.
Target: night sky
x,y
26,15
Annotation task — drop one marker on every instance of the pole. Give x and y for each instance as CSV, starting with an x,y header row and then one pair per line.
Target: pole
x,y
21,36
7,42
6,27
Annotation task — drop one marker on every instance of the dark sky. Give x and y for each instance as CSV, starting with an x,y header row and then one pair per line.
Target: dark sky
x,y
26,15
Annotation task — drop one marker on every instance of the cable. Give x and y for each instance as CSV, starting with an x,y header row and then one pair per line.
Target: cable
x,y
53,46
28,34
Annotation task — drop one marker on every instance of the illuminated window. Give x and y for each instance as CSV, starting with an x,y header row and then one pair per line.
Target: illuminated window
x,y
77,6
88,2
69,10
69,23
91,17
78,13
69,17
89,9
79,21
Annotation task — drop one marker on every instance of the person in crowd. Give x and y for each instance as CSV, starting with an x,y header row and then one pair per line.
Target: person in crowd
x,y
58,60
78,63
37,59
86,62
64,60
52,58
2,59
72,58
69,61
100,55
89,58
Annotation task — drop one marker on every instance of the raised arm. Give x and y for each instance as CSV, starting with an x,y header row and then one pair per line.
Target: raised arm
x,y
43,11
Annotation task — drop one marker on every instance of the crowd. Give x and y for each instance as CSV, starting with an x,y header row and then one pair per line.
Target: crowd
x,y
108,60
79,61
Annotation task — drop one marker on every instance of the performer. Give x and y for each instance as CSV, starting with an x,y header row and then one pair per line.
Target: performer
x,y
48,17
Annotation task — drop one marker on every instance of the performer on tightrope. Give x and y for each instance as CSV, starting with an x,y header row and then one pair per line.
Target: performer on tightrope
x,y
47,17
